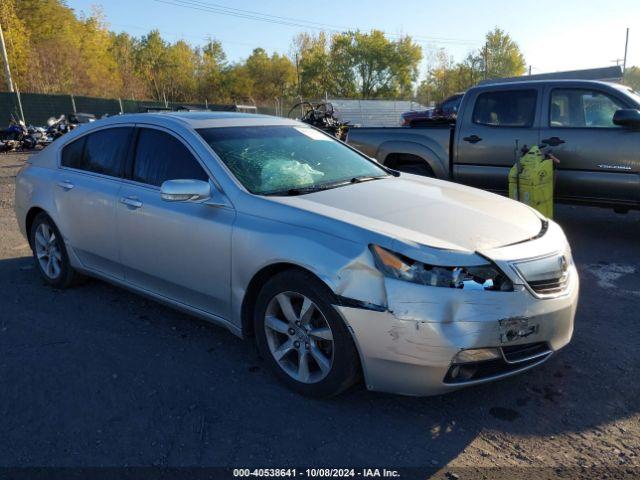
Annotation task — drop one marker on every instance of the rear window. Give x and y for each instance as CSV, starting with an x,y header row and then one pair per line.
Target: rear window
x,y
507,108
104,152
72,154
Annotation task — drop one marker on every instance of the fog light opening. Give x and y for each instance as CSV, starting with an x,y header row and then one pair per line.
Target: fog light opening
x,y
476,355
463,372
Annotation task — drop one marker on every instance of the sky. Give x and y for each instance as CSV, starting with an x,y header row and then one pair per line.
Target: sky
x,y
553,35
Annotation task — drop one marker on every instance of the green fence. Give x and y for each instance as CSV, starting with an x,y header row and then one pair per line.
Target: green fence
x,y
39,107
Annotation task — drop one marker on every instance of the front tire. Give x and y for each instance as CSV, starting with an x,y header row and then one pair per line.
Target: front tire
x,y
49,253
302,337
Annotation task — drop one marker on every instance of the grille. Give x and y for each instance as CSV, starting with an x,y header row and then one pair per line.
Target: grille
x,y
546,276
550,286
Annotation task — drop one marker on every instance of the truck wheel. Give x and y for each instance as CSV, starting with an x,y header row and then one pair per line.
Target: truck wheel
x,y
409,164
417,169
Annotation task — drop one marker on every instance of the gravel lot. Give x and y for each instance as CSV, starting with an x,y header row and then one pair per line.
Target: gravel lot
x,y
97,376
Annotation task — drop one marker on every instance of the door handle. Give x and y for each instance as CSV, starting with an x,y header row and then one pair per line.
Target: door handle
x,y
553,141
65,184
472,139
131,202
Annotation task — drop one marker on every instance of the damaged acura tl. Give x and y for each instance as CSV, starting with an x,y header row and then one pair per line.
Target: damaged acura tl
x,y
339,267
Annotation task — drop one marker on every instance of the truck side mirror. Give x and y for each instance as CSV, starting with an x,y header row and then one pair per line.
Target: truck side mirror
x,y
627,117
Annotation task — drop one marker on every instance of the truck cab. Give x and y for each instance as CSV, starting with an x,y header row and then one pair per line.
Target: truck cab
x,y
599,160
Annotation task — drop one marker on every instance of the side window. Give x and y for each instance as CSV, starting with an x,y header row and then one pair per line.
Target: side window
x,y
104,151
72,154
160,157
449,107
508,108
578,108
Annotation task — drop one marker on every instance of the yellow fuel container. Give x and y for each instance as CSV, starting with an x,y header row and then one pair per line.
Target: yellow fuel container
x,y
531,181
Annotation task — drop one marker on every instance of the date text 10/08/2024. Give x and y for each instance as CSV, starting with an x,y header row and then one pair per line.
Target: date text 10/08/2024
x,y
316,472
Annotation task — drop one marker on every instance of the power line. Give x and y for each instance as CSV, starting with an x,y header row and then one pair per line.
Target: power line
x,y
289,21
182,35
298,20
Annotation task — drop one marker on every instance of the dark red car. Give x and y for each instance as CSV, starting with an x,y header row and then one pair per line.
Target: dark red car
x,y
445,110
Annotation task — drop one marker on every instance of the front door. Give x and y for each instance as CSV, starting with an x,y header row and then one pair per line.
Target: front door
x,y
179,250
599,161
486,145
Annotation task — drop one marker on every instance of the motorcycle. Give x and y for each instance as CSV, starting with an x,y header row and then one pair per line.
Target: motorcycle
x,y
322,116
57,127
17,136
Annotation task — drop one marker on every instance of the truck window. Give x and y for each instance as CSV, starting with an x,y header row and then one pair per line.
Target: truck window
x,y
580,108
507,108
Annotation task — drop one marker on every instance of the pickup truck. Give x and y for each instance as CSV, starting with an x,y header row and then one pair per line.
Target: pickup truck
x,y
592,127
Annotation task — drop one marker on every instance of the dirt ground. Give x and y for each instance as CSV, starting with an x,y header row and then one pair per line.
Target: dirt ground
x,y
98,376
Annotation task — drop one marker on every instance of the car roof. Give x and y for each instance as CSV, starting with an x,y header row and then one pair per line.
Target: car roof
x,y
524,83
198,120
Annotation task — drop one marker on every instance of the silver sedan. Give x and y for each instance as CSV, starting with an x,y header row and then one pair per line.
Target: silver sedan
x,y
340,268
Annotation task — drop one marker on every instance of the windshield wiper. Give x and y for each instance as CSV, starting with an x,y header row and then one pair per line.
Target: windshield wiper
x,y
314,188
323,186
366,178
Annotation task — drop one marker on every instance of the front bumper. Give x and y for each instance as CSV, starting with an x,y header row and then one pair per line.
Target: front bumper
x,y
409,347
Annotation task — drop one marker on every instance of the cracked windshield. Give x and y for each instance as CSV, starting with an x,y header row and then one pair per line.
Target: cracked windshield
x,y
284,160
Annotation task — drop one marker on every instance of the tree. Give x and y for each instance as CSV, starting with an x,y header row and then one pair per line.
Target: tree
x,y
313,64
16,37
271,77
211,70
500,57
379,67
632,78
95,69
124,49
152,61
54,44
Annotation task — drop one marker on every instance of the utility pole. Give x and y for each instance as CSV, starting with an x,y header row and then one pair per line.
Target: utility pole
x,y
7,70
486,60
298,73
624,61
529,70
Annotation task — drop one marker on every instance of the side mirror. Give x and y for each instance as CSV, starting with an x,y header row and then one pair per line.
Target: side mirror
x,y
191,191
627,117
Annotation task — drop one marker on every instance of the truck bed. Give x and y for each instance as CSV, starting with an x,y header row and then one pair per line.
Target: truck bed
x,y
429,142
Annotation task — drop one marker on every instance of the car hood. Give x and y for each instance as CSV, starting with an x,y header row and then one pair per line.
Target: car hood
x,y
429,212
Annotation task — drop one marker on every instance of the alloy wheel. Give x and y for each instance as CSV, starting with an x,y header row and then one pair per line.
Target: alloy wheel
x,y
299,337
48,251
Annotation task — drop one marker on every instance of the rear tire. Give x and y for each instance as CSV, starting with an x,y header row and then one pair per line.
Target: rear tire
x,y
50,255
416,169
409,164
296,324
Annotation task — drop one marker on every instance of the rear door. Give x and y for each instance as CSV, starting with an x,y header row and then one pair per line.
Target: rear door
x,y
180,250
599,161
86,193
492,122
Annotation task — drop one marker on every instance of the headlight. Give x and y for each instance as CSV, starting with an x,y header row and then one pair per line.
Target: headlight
x,y
483,277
